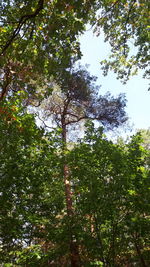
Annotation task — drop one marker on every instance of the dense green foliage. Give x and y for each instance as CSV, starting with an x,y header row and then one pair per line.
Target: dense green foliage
x,y
82,204
112,199
110,188
38,38
28,168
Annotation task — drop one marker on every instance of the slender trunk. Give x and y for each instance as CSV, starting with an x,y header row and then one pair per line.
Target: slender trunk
x,y
140,254
74,255
99,239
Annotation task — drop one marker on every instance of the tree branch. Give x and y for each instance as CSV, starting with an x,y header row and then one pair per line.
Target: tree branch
x,y
6,83
21,22
45,125
79,119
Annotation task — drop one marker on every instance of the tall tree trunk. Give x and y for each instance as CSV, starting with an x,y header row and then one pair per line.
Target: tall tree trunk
x,y
74,253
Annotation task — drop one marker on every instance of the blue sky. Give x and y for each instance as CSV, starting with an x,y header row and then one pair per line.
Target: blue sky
x,y
94,50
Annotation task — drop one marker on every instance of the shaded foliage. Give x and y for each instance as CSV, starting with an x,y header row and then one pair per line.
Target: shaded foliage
x,y
110,192
37,39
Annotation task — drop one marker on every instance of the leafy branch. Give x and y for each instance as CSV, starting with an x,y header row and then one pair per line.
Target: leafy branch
x,y
21,22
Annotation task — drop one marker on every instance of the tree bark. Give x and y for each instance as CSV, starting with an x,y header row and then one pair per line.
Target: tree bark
x,y
74,251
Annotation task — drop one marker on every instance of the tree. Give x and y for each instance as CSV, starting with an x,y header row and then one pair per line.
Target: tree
x,y
145,134
74,100
109,186
126,28
37,40
31,196
111,192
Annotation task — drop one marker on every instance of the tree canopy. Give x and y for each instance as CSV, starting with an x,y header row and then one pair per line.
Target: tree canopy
x,y
37,38
77,97
127,29
85,204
